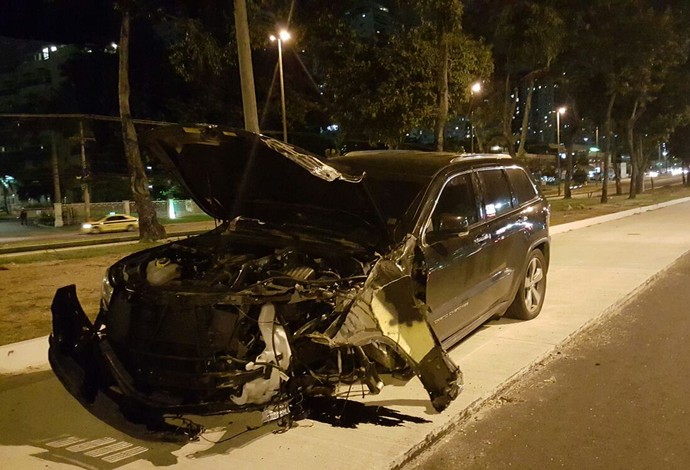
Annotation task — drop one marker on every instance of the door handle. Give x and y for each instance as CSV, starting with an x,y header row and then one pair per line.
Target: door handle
x,y
483,238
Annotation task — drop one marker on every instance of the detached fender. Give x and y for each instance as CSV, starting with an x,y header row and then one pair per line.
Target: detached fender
x,y
386,311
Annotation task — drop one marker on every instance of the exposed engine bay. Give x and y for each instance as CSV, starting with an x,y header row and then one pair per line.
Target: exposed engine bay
x,y
224,318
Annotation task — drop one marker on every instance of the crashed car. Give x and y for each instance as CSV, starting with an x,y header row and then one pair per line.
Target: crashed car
x,y
319,274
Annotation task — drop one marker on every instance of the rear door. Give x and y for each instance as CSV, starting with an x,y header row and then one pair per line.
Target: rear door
x,y
506,253
113,223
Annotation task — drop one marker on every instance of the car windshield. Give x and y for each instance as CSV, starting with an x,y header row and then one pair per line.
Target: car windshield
x,y
395,199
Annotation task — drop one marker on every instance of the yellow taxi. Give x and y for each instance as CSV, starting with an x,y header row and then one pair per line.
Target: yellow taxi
x,y
111,223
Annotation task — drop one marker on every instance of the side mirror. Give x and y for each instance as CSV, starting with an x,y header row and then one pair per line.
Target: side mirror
x,y
448,226
452,223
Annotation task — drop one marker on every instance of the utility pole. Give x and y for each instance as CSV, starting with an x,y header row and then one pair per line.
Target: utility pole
x,y
57,194
244,53
84,173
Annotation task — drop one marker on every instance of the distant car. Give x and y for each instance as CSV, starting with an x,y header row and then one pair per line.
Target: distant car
x,y
320,274
111,223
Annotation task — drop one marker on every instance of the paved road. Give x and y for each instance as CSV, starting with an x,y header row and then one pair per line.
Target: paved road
x,y
614,398
15,237
11,231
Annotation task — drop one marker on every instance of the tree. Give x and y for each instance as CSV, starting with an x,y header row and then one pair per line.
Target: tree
x,y
149,227
539,30
526,38
381,87
659,47
620,57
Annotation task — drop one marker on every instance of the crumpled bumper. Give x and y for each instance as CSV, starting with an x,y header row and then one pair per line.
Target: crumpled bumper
x,y
84,361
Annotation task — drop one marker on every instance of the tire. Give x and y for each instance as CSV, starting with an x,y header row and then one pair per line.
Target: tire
x,y
130,228
530,295
96,230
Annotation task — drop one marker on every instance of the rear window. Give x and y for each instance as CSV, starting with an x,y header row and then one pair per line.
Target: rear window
x,y
522,186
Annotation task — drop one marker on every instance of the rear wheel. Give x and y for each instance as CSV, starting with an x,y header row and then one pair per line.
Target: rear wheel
x,y
530,296
130,228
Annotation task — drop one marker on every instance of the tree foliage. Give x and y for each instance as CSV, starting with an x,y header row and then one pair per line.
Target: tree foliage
x,y
625,58
380,88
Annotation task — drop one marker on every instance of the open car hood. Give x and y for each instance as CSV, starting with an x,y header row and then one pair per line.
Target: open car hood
x,y
230,173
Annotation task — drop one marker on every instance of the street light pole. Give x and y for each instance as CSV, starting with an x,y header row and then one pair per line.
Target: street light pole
x,y
282,36
560,111
476,88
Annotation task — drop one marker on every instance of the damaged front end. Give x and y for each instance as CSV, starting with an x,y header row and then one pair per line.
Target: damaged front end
x,y
222,323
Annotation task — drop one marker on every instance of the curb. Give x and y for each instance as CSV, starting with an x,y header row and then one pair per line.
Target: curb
x,y
24,357
562,228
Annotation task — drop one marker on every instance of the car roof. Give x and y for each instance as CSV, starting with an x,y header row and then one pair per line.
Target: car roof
x,y
413,162
119,215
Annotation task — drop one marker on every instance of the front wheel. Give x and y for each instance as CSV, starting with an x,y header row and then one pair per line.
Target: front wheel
x,y
530,296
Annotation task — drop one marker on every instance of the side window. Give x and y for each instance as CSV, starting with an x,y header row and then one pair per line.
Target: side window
x,y
457,200
522,186
497,196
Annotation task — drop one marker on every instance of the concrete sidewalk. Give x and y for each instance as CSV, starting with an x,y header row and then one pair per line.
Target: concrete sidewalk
x,y
593,271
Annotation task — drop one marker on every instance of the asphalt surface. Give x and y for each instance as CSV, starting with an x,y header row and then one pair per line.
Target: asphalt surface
x,y
17,238
615,397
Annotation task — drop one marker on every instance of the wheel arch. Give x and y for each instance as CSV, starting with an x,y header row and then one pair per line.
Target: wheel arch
x,y
543,245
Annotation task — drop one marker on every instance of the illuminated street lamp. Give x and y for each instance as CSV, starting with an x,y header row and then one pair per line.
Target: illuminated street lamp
x,y
475,89
282,36
559,112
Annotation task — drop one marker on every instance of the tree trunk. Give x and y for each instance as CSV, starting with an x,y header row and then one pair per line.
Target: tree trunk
x,y
481,142
507,121
641,165
630,136
609,147
636,155
525,119
442,117
618,177
149,227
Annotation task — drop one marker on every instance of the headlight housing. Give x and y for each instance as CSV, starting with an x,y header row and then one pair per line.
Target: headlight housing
x,y
86,226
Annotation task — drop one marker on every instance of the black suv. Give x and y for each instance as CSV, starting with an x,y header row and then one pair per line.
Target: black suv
x,y
482,227
320,273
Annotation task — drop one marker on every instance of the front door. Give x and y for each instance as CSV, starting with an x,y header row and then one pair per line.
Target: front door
x,y
455,266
